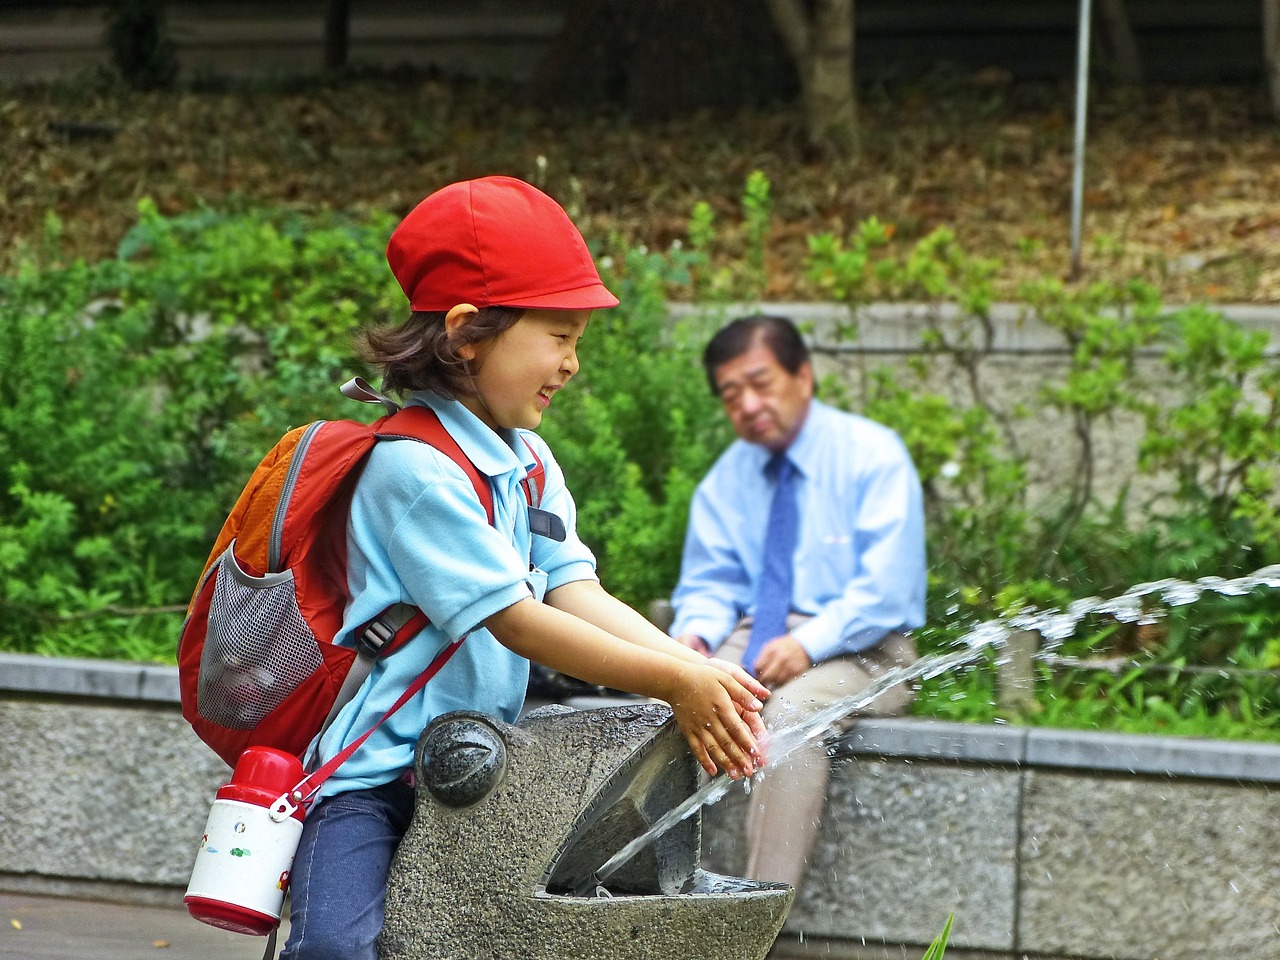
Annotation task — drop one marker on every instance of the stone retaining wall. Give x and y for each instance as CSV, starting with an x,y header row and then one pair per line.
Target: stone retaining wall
x,y
1178,41
1044,842
1024,355
1053,843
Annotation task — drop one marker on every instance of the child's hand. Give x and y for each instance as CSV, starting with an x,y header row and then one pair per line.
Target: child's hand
x,y
741,675
710,705
750,715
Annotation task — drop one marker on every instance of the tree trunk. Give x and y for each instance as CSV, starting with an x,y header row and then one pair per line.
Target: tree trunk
x,y
822,49
664,58
337,34
1271,50
1124,49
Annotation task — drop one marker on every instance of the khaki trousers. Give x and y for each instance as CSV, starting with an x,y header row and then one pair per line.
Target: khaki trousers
x,y
786,805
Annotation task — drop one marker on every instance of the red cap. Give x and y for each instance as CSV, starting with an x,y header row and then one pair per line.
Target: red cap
x,y
496,241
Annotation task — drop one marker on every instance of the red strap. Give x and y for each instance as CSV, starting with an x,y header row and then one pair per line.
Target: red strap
x,y
421,424
315,779
533,481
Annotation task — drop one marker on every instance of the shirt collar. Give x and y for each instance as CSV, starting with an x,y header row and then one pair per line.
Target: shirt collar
x,y
804,448
492,453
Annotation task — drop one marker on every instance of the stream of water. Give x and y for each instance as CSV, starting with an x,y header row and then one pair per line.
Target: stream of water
x,y
1055,626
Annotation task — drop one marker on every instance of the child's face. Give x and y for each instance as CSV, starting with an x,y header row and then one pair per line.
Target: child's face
x,y
519,370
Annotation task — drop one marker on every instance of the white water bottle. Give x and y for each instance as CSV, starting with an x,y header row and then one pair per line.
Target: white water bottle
x,y
242,867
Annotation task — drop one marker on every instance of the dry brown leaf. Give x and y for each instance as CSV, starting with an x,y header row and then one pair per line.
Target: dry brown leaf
x,y
1164,175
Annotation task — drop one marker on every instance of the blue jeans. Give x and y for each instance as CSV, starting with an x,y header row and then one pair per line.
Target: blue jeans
x,y
339,879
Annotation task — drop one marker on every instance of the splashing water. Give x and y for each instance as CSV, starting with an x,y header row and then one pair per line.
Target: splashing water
x,y
1054,626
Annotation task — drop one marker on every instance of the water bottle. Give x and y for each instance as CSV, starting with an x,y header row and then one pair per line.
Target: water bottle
x,y
242,867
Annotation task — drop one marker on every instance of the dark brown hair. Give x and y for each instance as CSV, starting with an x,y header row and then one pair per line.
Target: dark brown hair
x,y
779,334
419,354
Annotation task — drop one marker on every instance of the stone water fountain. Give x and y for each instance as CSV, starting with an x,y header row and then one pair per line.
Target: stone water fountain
x,y
512,822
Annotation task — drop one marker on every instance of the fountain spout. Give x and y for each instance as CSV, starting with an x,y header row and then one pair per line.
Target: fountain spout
x,y
512,822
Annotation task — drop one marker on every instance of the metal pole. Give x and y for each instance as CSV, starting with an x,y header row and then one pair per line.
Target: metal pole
x,y
1082,104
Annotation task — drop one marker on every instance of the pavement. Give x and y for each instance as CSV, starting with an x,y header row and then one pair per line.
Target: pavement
x,y
63,928
59,928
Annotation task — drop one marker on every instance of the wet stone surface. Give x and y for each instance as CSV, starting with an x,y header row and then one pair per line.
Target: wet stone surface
x,y
512,821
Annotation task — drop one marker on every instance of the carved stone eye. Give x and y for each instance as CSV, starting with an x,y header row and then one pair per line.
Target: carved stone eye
x,y
462,760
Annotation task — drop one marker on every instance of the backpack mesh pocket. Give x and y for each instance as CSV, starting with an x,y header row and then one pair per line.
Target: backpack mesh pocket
x,y
258,649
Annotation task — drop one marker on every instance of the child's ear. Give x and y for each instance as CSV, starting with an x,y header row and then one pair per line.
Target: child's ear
x,y
459,315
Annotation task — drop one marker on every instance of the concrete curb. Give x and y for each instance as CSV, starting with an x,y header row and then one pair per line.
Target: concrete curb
x,y
1044,841
106,679
1059,749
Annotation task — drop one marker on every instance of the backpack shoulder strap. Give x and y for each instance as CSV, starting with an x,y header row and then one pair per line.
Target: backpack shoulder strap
x,y
395,625
534,483
422,424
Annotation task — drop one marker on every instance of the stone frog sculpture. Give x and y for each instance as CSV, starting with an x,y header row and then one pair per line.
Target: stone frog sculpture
x,y
512,822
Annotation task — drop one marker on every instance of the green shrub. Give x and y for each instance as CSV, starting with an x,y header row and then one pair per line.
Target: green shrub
x,y
938,948
1212,442
142,390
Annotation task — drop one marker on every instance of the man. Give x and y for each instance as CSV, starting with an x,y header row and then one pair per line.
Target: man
x,y
804,561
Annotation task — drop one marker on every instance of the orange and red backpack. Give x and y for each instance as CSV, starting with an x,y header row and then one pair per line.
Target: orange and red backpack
x,y
257,665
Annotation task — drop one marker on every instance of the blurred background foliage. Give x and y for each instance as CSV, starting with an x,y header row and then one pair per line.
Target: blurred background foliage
x,y
142,388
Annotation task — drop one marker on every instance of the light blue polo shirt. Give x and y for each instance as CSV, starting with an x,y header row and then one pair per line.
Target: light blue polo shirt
x,y
418,534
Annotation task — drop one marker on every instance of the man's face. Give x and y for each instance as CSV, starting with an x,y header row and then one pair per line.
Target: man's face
x,y
765,402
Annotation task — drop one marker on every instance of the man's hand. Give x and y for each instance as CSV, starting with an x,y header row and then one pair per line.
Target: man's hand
x,y
694,643
780,660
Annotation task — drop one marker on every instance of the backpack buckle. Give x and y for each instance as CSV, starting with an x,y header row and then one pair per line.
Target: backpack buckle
x,y
374,637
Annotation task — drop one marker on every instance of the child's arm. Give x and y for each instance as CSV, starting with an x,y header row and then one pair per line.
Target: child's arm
x,y
589,601
708,703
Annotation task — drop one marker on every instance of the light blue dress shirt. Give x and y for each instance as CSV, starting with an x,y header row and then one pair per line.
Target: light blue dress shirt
x,y
418,534
859,565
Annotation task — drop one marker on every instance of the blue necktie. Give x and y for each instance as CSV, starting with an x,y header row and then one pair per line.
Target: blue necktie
x,y
773,592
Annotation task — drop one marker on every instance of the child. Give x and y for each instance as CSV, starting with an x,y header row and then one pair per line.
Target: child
x,y
501,288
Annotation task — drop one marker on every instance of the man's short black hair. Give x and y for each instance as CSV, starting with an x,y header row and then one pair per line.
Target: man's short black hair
x,y
779,334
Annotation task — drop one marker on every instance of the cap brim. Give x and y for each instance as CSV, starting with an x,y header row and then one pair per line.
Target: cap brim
x,y
594,296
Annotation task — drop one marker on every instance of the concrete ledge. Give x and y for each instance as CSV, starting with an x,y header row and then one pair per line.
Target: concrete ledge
x,y
1047,842
112,680
1066,749
895,328
1155,756
262,39
933,740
